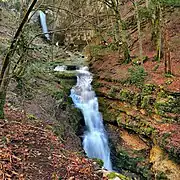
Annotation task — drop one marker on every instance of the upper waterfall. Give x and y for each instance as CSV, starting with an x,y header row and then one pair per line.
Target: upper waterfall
x,y
42,16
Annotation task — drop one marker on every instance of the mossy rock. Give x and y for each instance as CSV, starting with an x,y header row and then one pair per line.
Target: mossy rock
x,y
113,175
136,100
97,84
126,95
105,110
99,162
169,104
147,103
137,124
66,74
138,165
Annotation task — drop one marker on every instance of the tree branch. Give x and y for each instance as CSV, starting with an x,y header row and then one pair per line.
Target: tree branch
x,y
12,48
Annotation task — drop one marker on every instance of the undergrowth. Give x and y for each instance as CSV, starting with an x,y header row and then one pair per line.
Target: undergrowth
x,y
137,75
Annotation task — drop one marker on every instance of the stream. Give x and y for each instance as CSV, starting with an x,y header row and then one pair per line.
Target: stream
x,y
95,140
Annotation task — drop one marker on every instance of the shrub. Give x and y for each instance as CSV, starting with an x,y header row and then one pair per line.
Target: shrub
x,y
137,75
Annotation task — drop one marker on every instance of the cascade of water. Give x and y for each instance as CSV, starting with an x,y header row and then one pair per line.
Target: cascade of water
x,y
95,141
44,24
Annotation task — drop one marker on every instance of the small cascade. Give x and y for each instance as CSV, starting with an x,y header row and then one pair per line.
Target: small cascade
x,y
95,141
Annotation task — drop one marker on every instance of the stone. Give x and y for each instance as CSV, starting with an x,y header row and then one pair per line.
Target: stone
x,y
133,141
113,175
163,165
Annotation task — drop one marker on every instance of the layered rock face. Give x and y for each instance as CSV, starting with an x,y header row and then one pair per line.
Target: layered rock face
x,y
143,126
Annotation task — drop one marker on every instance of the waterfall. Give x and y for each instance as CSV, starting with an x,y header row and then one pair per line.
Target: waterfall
x,y
44,24
40,15
95,141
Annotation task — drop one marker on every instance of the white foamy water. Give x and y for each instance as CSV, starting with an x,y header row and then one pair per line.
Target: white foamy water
x,y
60,68
95,141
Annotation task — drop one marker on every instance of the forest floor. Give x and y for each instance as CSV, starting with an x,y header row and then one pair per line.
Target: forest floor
x,y
111,67
30,146
110,64
30,150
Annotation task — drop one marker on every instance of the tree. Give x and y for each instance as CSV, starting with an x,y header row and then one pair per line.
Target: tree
x,y
135,4
120,28
167,54
157,27
4,74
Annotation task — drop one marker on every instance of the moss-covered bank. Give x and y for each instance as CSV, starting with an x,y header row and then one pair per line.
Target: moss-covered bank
x,y
150,112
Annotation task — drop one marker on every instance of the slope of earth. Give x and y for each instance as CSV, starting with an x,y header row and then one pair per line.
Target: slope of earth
x,y
109,66
141,104
38,135
30,150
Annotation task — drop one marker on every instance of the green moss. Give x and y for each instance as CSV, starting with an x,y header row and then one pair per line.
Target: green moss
x,y
137,76
121,118
169,104
113,92
134,164
168,75
136,100
148,89
170,120
99,162
126,95
99,50
149,130
2,102
173,153
161,176
96,50
137,124
113,175
164,139
145,101
97,84
65,75
31,117
105,108
58,131
162,94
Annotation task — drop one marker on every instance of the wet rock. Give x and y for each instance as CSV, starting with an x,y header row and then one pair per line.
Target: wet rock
x,y
130,152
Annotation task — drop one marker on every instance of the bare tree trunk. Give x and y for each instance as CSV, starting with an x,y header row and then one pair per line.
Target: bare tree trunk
x,y
139,34
122,36
156,29
139,30
120,30
167,57
159,35
3,88
4,79
169,71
